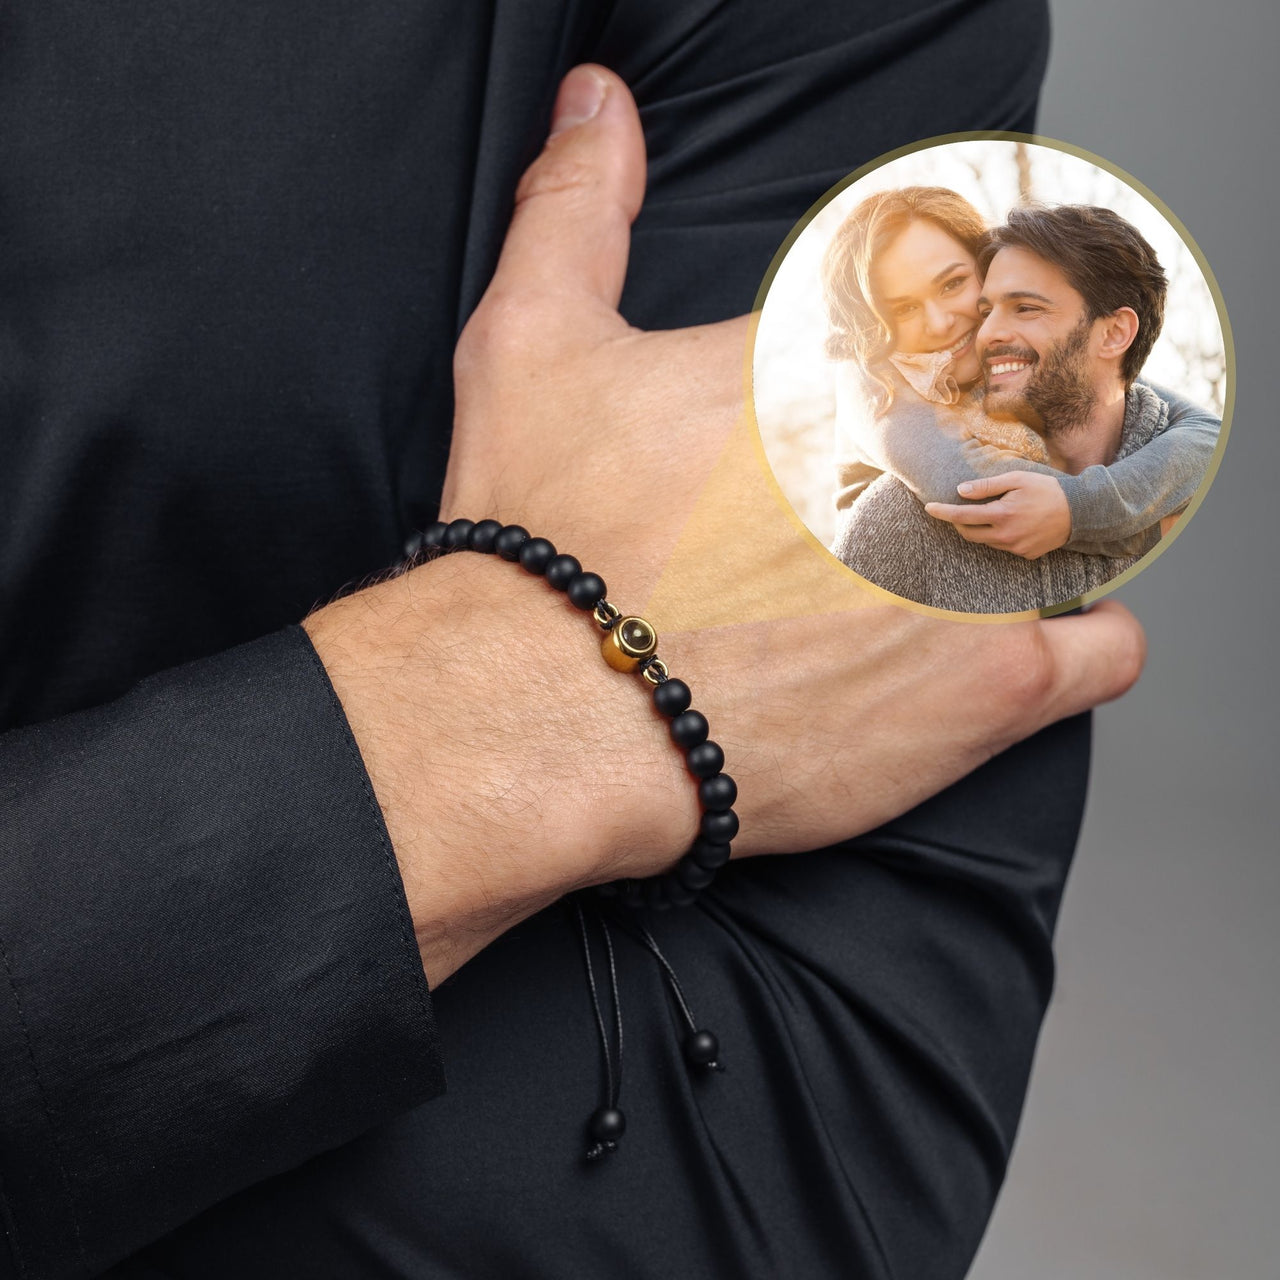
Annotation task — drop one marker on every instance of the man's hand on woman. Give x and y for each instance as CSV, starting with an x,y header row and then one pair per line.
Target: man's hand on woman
x,y
1022,512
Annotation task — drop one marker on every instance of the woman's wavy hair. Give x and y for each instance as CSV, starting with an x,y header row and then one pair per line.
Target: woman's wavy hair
x,y
858,331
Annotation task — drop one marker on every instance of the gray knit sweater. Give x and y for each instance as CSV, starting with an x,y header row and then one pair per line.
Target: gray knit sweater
x,y
888,539
933,437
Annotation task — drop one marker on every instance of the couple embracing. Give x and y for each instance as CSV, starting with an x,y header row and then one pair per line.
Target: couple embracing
x,y
998,450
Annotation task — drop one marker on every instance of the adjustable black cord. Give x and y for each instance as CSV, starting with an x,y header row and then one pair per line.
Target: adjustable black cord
x,y
607,1123
701,1047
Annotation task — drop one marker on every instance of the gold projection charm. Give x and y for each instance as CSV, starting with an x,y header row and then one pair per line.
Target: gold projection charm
x,y
628,642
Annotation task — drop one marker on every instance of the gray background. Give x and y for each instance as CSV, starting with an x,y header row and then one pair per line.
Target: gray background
x,y
1150,1147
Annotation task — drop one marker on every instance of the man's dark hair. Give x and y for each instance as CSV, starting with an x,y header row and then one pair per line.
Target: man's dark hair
x,y
1104,258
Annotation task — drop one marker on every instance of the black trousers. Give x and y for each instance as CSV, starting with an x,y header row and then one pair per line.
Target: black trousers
x,y
237,246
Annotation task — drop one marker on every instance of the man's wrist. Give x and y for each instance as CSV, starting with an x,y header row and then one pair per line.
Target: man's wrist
x,y
510,763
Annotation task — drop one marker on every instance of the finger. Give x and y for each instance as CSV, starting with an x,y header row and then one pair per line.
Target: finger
x,y
983,514
988,486
1095,656
571,230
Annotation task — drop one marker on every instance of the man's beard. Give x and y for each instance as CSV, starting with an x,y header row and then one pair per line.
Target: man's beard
x,y
1058,397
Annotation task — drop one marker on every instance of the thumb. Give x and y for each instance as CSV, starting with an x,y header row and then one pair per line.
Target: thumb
x,y
988,486
571,229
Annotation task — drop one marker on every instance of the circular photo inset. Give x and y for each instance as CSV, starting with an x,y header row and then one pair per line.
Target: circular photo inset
x,y
990,375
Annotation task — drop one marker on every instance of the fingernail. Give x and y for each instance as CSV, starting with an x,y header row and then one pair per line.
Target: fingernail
x,y
581,94
965,487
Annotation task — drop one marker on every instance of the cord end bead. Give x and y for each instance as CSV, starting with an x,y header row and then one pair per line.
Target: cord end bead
x,y
606,1126
702,1049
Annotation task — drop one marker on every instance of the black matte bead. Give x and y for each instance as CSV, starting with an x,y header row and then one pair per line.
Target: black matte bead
x,y
701,1048
690,728
718,792
413,544
586,590
693,876
456,535
508,543
677,894
705,759
608,1124
433,534
720,827
483,535
562,570
672,697
655,895
536,554
631,892
712,854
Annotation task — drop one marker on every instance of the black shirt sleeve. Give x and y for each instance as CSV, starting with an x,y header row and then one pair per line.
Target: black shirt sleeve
x,y
209,969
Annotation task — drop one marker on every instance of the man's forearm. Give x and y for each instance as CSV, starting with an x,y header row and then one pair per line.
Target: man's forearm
x,y
504,754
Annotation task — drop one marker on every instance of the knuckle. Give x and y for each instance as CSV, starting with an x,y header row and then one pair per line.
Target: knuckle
x,y
556,173
1026,677
1130,657
502,329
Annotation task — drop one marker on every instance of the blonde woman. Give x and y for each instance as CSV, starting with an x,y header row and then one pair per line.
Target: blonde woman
x,y
902,287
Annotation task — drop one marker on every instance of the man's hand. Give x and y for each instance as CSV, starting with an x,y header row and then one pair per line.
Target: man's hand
x,y
512,764
1028,514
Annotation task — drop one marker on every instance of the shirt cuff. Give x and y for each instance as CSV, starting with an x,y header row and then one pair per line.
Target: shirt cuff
x,y
208,971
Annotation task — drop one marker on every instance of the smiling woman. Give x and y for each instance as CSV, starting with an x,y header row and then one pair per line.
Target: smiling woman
x,y
997,452
901,275
932,312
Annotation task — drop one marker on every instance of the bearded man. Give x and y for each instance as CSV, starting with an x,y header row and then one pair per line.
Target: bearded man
x,y
1072,304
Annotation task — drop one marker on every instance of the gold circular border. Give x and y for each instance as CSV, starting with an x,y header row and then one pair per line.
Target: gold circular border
x,y
1224,323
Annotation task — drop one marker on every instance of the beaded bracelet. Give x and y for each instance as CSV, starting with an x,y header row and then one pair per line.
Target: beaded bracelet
x,y
629,644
